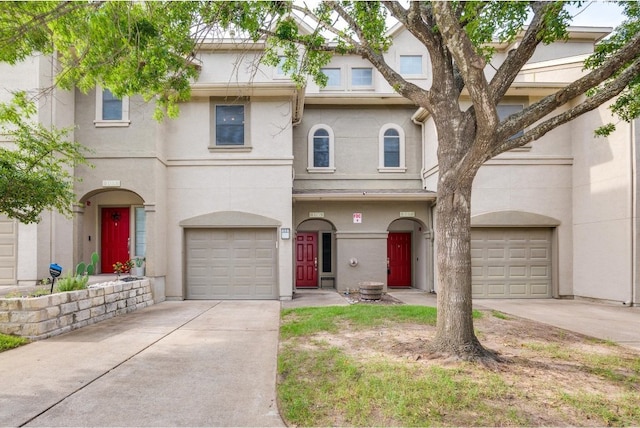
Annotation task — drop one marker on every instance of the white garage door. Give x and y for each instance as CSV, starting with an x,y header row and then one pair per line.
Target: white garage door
x,y
231,264
511,262
7,251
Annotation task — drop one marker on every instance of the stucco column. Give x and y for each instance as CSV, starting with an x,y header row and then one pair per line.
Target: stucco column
x,y
361,256
79,234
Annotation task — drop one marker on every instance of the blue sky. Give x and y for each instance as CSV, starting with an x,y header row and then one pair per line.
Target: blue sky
x,y
599,14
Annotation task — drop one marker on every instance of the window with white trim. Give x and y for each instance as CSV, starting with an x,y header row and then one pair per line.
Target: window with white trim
x,y
506,110
229,125
411,65
391,149
361,77
111,111
279,71
334,77
321,149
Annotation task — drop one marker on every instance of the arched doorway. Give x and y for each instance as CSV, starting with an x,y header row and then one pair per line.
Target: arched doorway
x,y
112,224
407,254
315,255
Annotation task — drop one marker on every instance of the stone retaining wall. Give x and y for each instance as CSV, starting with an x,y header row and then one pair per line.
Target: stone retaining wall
x,y
45,316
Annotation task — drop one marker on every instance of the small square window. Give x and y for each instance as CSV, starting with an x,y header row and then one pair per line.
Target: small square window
x,y
279,71
361,77
506,110
333,77
411,64
229,125
111,106
111,111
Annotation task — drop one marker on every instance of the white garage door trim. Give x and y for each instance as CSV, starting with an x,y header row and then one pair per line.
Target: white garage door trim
x,y
511,262
8,249
231,263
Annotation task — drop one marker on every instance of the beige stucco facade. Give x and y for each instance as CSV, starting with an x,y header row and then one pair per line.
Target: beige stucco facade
x,y
180,185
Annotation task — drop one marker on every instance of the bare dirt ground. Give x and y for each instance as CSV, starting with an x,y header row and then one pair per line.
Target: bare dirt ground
x,y
541,364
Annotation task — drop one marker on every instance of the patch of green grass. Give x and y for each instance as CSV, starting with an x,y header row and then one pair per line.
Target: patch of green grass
x,y
309,320
499,315
304,321
613,367
9,342
551,349
325,387
328,383
612,411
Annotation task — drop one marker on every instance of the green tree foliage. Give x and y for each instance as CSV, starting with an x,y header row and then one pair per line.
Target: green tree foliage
x,y
36,169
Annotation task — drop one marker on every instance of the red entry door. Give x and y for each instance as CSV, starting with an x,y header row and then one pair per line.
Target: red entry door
x,y
399,259
306,259
114,238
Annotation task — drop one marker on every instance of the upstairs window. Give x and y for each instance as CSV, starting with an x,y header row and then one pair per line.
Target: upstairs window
x,y
321,149
334,77
411,65
111,110
279,70
506,110
361,78
229,125
111,106
391,146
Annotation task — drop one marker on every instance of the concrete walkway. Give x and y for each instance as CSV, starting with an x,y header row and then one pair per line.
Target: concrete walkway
x,y
191,363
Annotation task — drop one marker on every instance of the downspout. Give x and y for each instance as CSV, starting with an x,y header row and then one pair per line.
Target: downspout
x,y
634,213
298,107
418,118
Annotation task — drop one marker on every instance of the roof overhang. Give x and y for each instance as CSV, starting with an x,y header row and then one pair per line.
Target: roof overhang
x,y
363,195
357,99
248,89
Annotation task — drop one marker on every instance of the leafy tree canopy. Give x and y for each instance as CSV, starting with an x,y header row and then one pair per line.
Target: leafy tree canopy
x,y
36,171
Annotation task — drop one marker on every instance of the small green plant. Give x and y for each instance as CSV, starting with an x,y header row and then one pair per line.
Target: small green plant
x,y
93,267
139,261
71,282
499,315
9,342
88,269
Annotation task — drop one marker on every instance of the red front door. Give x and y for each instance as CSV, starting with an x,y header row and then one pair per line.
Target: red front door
x,y
114,237
306,259
399,259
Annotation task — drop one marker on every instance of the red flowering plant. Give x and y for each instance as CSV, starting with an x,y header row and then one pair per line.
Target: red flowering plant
x,y
120,267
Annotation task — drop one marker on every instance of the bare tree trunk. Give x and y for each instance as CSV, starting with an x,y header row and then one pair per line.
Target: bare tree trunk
x,y
455,335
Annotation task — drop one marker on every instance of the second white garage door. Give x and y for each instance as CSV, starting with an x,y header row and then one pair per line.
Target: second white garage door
x,y
231,264
511,262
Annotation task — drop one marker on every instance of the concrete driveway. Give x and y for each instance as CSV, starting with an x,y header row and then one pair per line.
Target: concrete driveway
x,y
188,363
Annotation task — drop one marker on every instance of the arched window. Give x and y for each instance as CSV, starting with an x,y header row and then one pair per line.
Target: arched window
x,y
391,154
321,153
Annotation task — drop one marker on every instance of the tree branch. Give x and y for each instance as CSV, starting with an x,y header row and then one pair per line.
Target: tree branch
x,y
518,57
611,90
548,104
471,66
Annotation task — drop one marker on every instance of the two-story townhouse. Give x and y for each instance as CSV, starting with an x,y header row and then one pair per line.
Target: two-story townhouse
x,y
260,188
